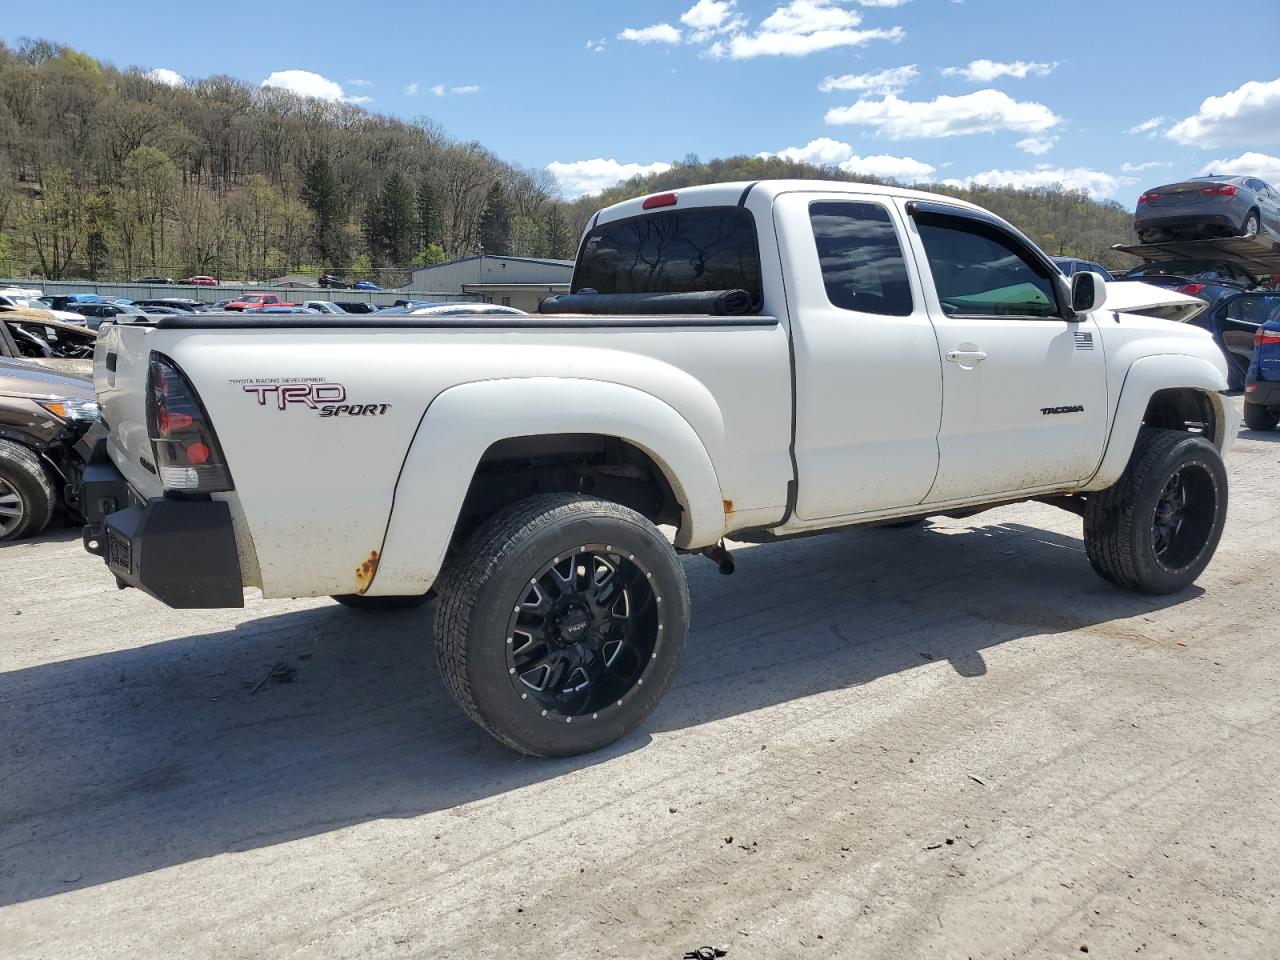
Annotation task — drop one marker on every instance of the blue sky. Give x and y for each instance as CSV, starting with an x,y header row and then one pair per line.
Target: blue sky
x,y
1107,95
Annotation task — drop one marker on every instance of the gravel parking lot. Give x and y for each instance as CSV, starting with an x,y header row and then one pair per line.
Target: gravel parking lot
x,y
954,741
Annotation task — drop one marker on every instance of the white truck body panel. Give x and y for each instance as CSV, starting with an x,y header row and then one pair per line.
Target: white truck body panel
x,y
820,418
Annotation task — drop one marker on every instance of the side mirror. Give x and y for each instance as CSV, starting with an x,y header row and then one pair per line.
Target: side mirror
x,y
1088,292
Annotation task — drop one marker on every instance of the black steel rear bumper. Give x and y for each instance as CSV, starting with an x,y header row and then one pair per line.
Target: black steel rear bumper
x,y
182,552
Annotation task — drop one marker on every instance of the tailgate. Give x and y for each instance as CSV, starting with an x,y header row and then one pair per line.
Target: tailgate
x,y
120,380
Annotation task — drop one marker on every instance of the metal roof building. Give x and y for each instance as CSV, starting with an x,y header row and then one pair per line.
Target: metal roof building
x,y
448,277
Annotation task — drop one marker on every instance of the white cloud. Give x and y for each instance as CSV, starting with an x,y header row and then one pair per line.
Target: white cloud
x,y
1148,127
984,71
1251,164
891,80
658,33
1096,183
440,90
360,83
307,84
800,28
825,152
596,46
1037,146
1139,167
591,176
706,18
411,90
1248,114
170,78
983,111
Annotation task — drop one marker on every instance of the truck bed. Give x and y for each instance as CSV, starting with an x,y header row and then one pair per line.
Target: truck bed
x,y
372,321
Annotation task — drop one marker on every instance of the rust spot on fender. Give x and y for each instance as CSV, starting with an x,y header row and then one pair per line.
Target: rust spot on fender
x,y
366,571
728,507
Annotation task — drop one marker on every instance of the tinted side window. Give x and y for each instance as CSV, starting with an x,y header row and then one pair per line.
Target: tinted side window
x,y
676,251
978,272
861,258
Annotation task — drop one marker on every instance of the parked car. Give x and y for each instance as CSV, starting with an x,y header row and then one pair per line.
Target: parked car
x,y
1262,384
1074,265
201,281
523,473
356,306
96,313
365,285
279,308
1213,206
333,282
42,415
153,281
468,309
178,303
34,303
250,300
322,306
61,347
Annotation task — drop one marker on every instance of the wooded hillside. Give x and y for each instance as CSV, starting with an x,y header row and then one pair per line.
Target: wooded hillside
x,y
107,174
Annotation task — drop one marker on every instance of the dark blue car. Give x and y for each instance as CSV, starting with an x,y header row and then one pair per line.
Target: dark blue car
x,y
1262,385
1236,307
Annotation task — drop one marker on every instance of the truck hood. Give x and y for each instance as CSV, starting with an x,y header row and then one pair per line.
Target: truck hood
x,y
1146,299
32,381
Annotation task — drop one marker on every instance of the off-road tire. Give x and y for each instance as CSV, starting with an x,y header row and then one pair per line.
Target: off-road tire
x,y
1259,417
493,571
25,474
356,601
1119,534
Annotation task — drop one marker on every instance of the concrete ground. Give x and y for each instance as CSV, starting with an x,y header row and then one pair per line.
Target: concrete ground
x,y
954,741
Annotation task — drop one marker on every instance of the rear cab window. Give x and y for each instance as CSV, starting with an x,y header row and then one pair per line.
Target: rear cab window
x,y
861,257
673,251
978,270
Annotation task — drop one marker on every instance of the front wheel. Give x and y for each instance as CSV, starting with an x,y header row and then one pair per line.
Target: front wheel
x,y
1259,417
1251,225
560,623
27,497
1157,528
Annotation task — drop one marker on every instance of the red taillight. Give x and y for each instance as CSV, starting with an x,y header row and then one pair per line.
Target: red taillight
x,y
1219,190
659,200
188,457
1148,197
1191,289
1266,337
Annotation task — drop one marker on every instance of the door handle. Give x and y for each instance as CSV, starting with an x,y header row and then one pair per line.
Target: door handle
x,y
966,357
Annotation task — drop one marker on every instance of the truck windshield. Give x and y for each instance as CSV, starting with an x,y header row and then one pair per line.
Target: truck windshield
x,y
674,251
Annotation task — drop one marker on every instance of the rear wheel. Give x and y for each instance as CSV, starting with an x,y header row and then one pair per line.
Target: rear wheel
x,y
560,623
1156,529
27,497
1259,417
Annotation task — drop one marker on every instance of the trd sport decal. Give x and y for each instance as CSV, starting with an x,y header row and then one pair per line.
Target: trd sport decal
x,y
1049,411
314,393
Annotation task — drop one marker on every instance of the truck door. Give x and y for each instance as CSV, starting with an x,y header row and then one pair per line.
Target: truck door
x,y
1024,391
868,383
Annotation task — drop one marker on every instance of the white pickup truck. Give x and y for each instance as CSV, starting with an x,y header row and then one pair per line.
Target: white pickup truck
x,y
891,355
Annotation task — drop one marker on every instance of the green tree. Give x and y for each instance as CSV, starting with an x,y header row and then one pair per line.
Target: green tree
x,y
559,240
323,196
495,224
430,223
54,223
391,228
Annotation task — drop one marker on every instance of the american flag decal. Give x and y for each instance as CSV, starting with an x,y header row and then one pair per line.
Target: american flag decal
x,y
1084,341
